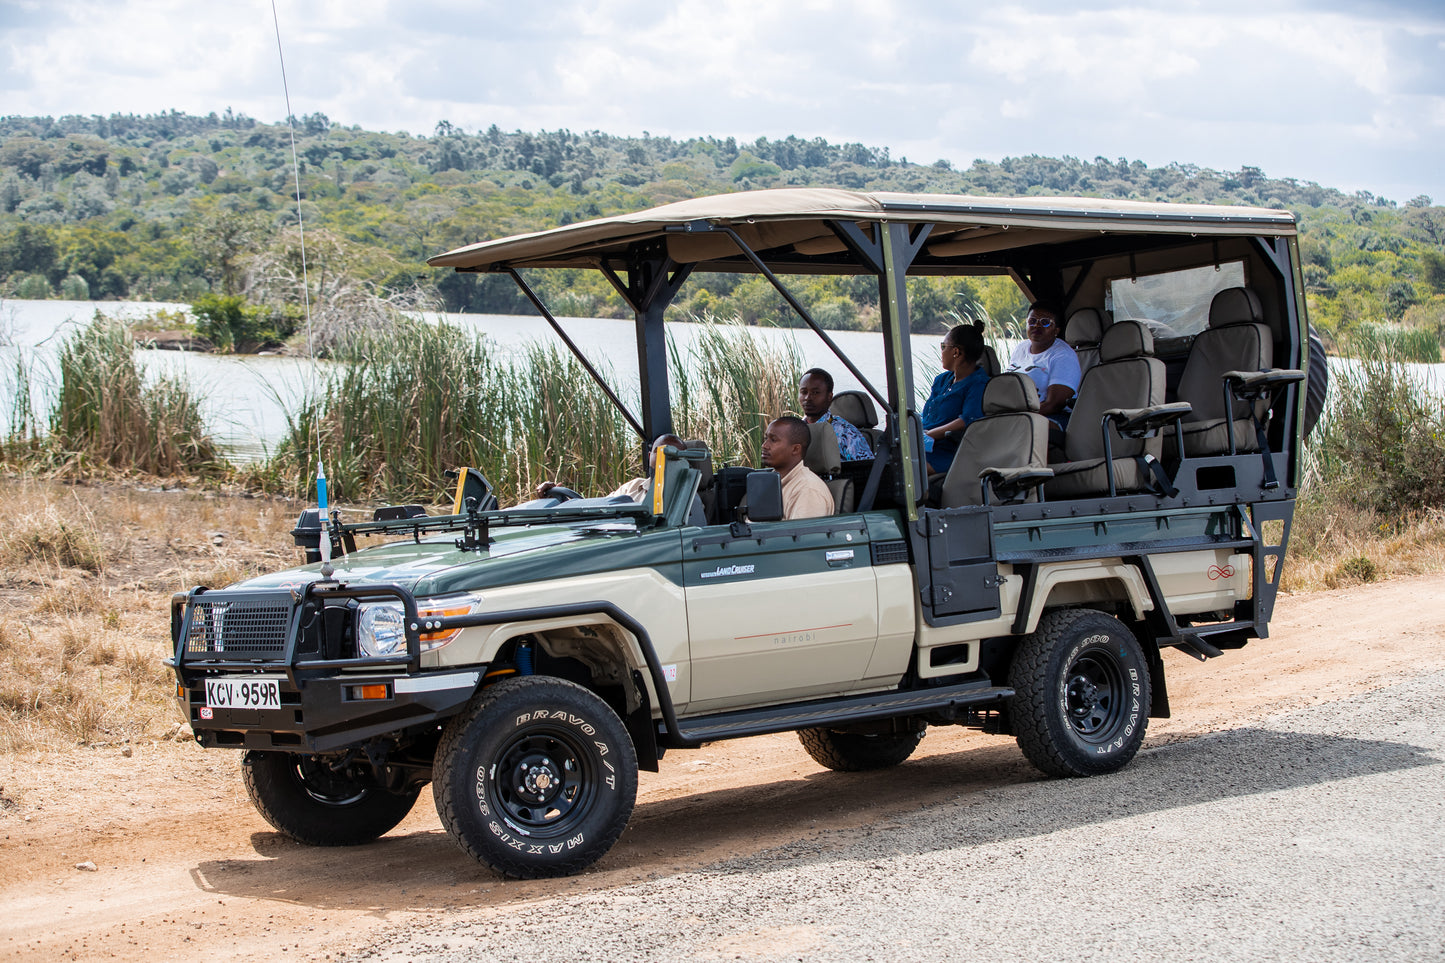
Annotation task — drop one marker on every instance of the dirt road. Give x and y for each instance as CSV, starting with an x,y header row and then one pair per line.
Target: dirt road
x,y
183,865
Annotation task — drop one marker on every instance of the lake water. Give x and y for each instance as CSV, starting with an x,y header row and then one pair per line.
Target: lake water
x,y
247,398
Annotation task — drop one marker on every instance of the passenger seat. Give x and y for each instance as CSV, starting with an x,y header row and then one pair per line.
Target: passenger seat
x,y
1010,444
1113,442
1083,333
825,459
856,408
1237,340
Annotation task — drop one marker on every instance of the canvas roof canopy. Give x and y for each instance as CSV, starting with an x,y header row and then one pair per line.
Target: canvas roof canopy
x,y
793,226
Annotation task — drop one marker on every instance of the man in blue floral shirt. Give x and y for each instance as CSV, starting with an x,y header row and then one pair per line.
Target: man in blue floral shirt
x,y
815,394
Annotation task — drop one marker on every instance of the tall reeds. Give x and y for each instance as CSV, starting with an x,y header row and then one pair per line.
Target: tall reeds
x,y
107,413
404,406
729,384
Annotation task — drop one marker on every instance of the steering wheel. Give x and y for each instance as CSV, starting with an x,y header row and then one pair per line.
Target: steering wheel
x,y
562,493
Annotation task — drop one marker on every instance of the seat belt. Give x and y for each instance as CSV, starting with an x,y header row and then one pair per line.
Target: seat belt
x,y
1270,481
1151,468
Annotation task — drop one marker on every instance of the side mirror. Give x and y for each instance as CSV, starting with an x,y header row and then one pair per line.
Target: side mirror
x,y
765,496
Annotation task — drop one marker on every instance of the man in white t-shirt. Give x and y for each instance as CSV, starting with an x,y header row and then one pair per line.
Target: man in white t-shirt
x,y
1049,361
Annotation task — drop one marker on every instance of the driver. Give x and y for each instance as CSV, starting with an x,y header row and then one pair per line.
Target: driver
x,y
637,488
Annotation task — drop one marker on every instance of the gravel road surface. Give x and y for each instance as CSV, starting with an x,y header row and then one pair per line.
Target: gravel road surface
x,y
1315,834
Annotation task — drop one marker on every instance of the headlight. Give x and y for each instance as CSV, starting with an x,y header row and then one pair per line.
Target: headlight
x,y
381,626
381,629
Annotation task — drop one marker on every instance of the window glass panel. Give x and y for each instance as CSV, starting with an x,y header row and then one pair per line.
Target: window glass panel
x,y
1177,301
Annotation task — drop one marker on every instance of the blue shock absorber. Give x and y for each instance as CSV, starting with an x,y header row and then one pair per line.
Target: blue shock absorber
x,y
523,659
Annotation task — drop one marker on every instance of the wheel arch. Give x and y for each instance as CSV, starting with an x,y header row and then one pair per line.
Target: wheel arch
x,y
1084,584
616,668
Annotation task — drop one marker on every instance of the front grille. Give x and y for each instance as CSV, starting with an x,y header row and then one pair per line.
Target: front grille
x,y
238,628
889,551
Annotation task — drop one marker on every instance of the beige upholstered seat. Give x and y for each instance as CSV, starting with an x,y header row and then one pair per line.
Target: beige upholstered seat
x,y
1237,339
1083,333
825,459
1011,434
856,408
1126,377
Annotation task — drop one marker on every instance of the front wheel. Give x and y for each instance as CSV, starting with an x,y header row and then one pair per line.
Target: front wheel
x,y
537,778
1081,701
305,798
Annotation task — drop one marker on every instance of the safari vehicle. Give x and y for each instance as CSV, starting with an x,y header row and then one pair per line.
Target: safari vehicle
x,y
528,661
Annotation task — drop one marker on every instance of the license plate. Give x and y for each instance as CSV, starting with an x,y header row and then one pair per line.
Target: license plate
x,y
243,694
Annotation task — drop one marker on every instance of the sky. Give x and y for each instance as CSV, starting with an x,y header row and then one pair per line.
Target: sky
x,y
1351,95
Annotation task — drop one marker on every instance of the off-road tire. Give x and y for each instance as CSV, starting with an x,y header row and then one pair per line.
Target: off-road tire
x,y
536,778
856,751
1081,694
302,798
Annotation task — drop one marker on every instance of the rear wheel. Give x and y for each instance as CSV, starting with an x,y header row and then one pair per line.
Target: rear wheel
x,y
537,778
305,798
1081,701
856,751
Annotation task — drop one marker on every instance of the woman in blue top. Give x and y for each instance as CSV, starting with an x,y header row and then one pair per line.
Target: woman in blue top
x,y
957,395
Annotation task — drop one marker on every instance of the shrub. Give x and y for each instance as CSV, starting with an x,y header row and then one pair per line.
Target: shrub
x,y
229,322
1381,443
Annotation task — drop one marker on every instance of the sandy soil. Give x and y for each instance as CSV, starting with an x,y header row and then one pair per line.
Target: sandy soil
x,y
184,866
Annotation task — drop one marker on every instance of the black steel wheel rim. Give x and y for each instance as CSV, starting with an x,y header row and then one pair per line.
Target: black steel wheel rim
x,y
543,782
1094,695
325,785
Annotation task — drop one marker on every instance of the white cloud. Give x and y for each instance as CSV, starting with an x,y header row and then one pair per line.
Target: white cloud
x,y
1350,97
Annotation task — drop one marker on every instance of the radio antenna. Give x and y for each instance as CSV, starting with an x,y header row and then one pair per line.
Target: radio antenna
x,y
325,546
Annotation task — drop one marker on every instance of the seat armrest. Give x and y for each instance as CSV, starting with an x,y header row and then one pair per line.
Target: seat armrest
x,y
1011,483
1253,384
1134,422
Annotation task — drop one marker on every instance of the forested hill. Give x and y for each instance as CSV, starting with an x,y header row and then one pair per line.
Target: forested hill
x,y
173,206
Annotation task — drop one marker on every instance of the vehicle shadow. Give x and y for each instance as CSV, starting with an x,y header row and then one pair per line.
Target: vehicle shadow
x,y
985,794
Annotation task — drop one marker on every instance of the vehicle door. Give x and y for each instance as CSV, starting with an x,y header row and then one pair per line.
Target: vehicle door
x,y
778,610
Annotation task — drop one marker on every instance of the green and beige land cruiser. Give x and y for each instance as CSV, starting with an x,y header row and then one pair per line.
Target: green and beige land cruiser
x,y
528,661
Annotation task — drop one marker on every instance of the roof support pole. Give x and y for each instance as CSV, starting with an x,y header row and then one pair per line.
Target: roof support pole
x,y
653,280
901,244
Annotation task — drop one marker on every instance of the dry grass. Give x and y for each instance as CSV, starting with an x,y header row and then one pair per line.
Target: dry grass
x,y
1335,544
83,634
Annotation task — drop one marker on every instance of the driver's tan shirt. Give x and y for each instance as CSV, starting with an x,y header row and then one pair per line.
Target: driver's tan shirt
x,y
637,489
805,495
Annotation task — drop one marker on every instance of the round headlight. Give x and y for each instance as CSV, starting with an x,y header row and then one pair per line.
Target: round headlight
x,y
381,629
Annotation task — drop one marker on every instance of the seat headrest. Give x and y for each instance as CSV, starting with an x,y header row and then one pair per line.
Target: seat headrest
x,y
856,408
1126,339
824,456
1010,391
1085,327
1235,306
989,360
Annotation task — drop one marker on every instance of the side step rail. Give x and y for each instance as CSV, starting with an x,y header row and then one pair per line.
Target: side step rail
x,y
949,700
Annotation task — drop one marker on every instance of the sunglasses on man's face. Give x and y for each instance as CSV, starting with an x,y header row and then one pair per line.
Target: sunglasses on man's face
x,y
1041,323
